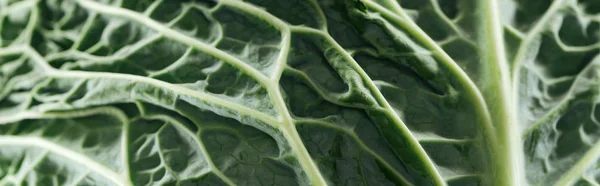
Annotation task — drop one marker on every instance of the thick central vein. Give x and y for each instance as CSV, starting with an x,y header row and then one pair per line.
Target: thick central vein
x,y
510,166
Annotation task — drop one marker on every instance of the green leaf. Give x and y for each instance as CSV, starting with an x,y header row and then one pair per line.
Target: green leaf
x,y
303,92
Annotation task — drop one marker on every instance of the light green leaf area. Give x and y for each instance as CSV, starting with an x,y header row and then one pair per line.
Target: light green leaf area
x,y
300,92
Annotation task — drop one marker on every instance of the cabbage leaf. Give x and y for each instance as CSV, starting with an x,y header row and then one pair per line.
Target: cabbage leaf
x,y
299,92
